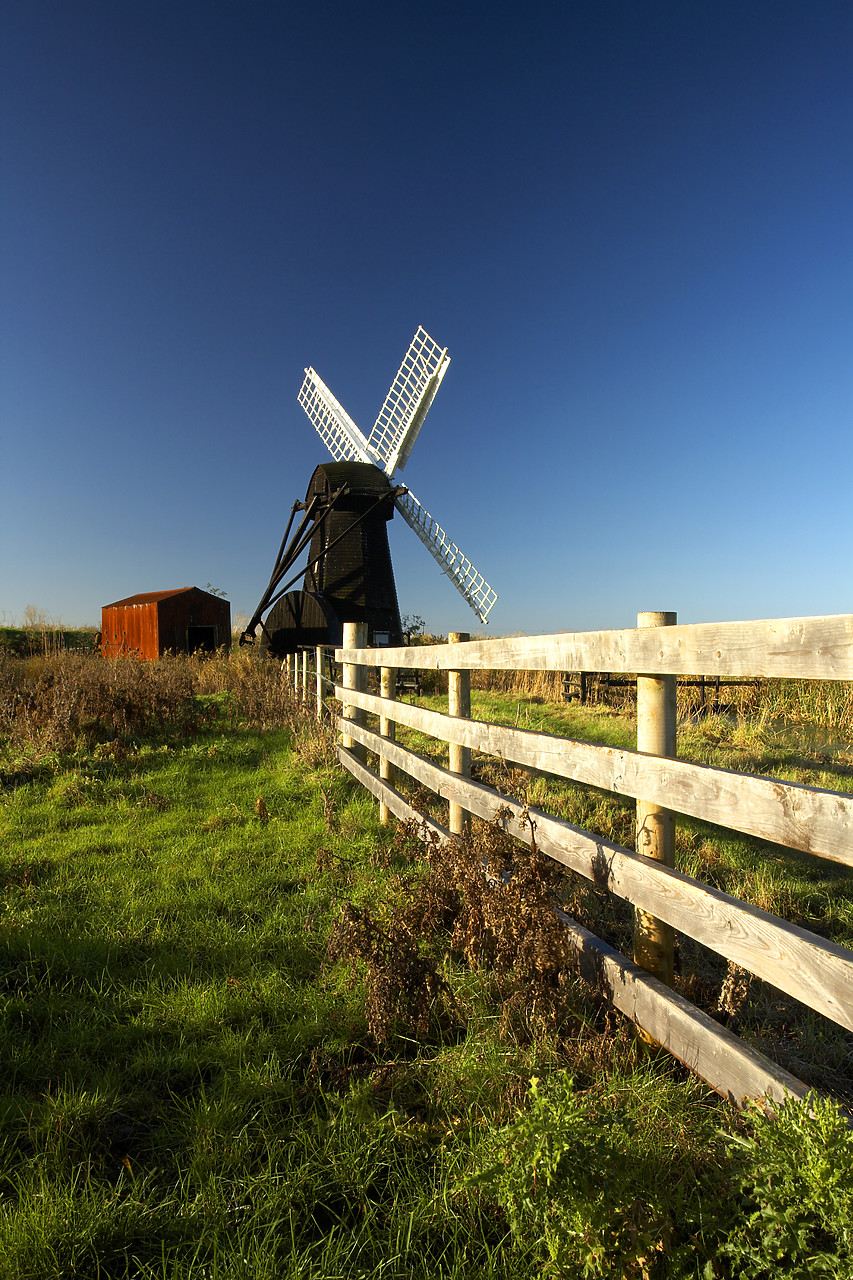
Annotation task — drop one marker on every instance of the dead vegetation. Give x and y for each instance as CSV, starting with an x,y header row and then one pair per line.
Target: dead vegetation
x,y
67,700
475,901
53,702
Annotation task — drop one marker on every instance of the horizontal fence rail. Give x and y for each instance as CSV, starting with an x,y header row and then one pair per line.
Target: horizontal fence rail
x,y
788,813
720,1057
716,1054
787,648
803,965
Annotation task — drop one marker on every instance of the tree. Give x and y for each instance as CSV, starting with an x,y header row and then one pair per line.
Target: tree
x,y
34,618
413,624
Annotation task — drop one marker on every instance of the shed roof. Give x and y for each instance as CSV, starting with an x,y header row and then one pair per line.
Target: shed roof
x,y
151,597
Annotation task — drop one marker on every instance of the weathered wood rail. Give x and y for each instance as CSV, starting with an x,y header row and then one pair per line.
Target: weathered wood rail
x,y
802,964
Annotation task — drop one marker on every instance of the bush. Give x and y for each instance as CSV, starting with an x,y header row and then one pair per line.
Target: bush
x,y
796,1180
473,900
605,1181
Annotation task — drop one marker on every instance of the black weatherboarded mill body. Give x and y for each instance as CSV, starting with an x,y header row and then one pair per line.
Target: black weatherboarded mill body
x,y
349,577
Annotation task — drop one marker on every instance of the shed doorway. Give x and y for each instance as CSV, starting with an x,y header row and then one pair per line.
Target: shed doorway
x,y
201,639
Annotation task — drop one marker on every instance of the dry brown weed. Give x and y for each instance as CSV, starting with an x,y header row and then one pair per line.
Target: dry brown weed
x,y
481,901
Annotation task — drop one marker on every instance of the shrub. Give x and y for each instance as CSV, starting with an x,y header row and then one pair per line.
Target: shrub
x,y
609,1183
605,1181
796,1180
480,902
402,983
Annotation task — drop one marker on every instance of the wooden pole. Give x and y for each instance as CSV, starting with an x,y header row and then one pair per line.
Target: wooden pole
x,y
355,637
304,675
653,939
459,704
318,666
388,729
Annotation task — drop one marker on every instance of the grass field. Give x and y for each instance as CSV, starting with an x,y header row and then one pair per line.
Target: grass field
x,y
245,1033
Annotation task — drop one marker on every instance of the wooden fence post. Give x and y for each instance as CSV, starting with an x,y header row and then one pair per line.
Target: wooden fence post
x,y
459,704
304,689
388,729
355,637
318,666
656,720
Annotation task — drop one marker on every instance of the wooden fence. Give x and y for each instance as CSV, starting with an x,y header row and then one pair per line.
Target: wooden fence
x,y
812,969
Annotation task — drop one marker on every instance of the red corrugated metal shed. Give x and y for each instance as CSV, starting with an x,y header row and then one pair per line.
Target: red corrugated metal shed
x,y
156,622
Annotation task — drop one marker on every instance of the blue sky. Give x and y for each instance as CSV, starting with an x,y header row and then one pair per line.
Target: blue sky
x,y
629,222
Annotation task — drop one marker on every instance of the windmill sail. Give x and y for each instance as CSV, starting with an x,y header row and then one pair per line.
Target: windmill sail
x,y
331,421
408,401
471,585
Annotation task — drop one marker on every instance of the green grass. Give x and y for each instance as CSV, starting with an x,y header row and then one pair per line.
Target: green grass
x,y
186,1089
190,1087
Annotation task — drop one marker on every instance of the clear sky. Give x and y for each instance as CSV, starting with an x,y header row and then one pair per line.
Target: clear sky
x,y
631,223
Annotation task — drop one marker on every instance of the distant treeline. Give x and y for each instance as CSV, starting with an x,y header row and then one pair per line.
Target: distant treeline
x,y
25,642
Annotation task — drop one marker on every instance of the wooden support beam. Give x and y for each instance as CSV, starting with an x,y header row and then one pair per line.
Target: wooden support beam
x,y
388,729
355,639
318,668
727,1063
459,705
383,791
654,939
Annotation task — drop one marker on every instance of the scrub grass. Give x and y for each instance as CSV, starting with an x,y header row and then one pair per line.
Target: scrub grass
x,y
214,1064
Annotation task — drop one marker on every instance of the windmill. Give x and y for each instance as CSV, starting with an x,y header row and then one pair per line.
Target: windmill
x,y
349,577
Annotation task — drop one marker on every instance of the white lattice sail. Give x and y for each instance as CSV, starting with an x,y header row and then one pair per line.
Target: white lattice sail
x,y
470,584
408,401
331,421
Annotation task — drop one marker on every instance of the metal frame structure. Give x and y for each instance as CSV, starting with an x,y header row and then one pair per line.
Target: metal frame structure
x,y
316,515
